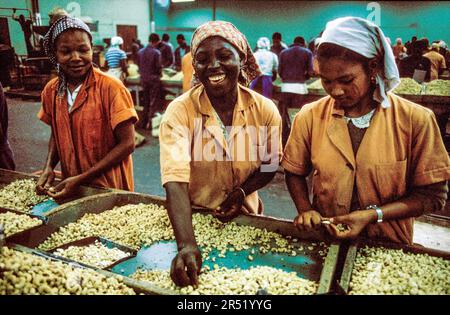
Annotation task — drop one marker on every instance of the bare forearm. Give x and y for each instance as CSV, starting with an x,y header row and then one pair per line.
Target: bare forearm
x,y
421,200
298,190
52,156
180,213
257,181
113,158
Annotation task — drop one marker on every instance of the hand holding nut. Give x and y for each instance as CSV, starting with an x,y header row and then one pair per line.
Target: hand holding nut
x,y
308,220
349,226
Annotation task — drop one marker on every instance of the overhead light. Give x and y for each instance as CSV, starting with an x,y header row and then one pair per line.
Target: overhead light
x,y
175,1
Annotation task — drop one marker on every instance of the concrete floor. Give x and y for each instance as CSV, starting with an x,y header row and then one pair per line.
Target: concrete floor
x,y
29,139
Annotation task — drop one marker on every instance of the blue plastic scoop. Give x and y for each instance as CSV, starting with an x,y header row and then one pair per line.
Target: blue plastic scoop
x,y
42,208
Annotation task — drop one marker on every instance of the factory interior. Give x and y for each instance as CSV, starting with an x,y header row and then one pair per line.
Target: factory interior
x,y
122,125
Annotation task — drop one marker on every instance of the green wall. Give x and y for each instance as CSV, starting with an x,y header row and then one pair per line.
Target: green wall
x,y
109,13
15,31
255,18
308,18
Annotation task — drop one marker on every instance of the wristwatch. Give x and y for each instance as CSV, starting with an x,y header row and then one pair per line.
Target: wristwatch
x,y
379,212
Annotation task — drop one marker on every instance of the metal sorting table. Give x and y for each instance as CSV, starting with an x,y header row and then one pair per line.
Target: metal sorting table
x,y
7,177
140,287
91,241
42,219
160,254
343,283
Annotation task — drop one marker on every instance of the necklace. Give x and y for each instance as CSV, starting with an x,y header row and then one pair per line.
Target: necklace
x,y
361,122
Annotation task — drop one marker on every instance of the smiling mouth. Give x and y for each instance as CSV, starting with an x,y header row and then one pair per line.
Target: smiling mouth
x,y
77,68
215,79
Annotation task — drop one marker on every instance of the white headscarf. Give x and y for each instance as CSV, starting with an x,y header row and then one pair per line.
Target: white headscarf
x,y
367,39
116,41
263,43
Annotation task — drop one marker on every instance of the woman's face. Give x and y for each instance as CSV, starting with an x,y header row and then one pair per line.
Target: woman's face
x,y
217,64
345,81
74,53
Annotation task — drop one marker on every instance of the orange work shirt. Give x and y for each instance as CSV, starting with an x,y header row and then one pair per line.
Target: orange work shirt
x,y
401,149
86,135
194,150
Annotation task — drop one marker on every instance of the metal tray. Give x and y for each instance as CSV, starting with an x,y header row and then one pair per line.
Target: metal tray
x,y
140,287
44,220
73,211
7,177
343,284
91,240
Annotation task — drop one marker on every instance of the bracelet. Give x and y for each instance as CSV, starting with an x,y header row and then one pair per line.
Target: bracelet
x,y
243,192
378,211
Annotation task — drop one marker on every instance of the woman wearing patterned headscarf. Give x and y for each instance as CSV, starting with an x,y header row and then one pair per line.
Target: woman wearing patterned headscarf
x,y
378,160
268,63
90,113
209,158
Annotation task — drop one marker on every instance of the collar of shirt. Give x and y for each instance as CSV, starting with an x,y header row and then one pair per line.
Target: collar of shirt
x,y
71,97
243,101
362,121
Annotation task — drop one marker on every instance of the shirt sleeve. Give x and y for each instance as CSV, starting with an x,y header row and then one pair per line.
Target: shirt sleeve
x,y
122,108
272,159
429,158
44,113
297,153
433,197
175,145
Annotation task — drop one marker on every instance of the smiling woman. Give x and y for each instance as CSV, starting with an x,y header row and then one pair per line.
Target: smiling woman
x,y
90,113
74,56
215,117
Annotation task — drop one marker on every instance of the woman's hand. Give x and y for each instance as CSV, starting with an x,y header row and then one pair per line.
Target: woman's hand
x,y
308,220
66,188
45,181
186,266
231,207
354,222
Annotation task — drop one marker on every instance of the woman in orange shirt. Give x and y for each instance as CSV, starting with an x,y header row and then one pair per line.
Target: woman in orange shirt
x,y
90,113
377,160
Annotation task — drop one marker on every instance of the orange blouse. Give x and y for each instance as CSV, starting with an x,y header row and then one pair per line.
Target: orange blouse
x,y
86,135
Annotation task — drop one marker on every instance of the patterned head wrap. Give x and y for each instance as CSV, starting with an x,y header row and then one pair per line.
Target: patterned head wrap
x,y
367,39
226,30
263,43
60,26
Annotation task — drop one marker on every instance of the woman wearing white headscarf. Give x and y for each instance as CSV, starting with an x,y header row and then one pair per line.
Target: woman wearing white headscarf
x,y
377,160
116,59
268,64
